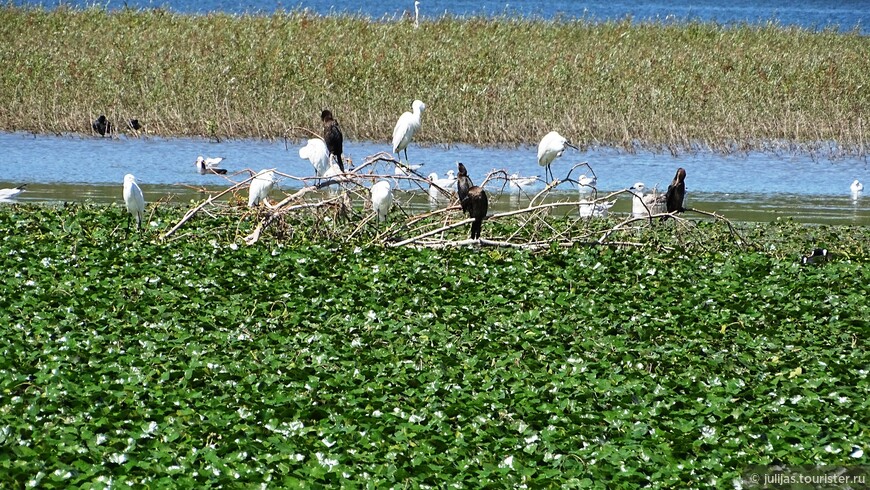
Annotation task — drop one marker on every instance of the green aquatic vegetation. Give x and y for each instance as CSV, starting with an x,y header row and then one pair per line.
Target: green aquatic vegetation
x,y
485,81
199,361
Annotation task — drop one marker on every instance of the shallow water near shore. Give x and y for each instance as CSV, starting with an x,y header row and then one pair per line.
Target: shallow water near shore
x,y
746,187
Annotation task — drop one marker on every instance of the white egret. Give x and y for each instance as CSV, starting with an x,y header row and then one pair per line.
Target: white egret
x,y
134,199
856,188
332,137
260,187
643,205
316,152
12,192
382,199
209,165
518,183
407,125
552,146
416,14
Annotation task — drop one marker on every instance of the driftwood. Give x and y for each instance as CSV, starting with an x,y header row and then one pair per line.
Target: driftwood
x,y
535,229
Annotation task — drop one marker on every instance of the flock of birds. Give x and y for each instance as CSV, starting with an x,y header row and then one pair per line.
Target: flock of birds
x,y
325,155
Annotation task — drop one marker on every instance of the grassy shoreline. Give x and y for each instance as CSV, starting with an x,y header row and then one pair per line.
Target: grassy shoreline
x,y
485,81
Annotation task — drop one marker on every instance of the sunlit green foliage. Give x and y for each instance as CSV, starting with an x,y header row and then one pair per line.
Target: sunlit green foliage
x,y
485,81
198,362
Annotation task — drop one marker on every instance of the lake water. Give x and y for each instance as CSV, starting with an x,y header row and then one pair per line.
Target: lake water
x,y
753,186
813,14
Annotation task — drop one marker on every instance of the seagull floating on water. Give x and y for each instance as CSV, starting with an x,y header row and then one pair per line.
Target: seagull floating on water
x,y
644,205
260,188
552,146
406,127
11,193
209,165
382,199
587,184
134,200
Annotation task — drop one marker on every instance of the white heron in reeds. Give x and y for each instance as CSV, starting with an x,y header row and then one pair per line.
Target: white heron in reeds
x,y
260,187
316,152
856,189
519,184
552,146
407,125
134,200
206,165
644,205
11,192
382,199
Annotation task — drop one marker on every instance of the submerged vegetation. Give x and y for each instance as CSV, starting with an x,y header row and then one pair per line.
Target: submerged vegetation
x,y
485,81
200,361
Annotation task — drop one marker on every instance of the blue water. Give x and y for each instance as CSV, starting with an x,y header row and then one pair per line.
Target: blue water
x,y
812,14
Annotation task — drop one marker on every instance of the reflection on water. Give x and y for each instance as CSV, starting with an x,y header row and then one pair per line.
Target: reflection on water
x,y
754,186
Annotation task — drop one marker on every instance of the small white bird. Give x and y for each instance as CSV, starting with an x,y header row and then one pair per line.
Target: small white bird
x,y
407,125
437,184
586,184
209,165
382,199
551,147
317,154
643,205
591,209
416,14
518,183
134,199
856,188
11,193
260,187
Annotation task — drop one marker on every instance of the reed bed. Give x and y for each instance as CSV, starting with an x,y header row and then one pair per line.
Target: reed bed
x,y
660,86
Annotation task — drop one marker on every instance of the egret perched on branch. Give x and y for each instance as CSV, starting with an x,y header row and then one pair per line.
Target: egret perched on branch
x,y
332,137
134,200
260,187
473,200
209,165
316,153
551,147
407,125
11,193
382,199
676,192
102,125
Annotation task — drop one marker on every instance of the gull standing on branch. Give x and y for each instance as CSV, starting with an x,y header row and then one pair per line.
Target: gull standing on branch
x,y
407,125
260,187
382,199
208,165
332,137
646,205
317,154
11,193
134,200
551,147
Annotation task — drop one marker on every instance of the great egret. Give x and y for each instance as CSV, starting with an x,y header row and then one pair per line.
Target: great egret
x,y
676,192
416,14
817,256
473,200
856,188
315,151
209,165
134,200
332,137
382,199
102,125
552,146
407,125
260,187
518,183
646,205
11,193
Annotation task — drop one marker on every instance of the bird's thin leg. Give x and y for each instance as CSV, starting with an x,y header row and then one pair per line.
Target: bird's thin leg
x,y
406,154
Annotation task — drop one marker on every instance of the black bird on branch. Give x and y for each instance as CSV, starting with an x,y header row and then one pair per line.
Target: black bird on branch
x,y
676,193
332,137
102,125
473,200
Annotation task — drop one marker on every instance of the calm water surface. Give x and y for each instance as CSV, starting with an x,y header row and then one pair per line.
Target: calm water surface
x,y
813,14
754,186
